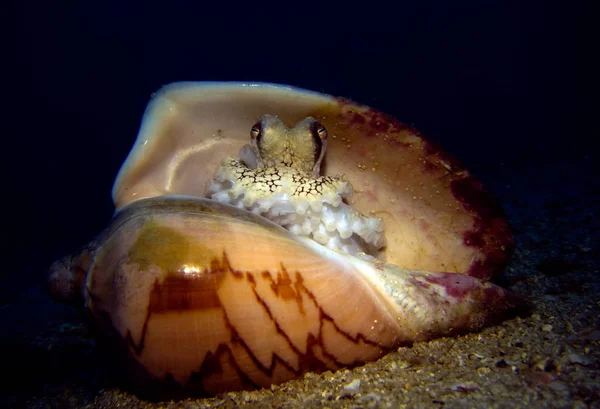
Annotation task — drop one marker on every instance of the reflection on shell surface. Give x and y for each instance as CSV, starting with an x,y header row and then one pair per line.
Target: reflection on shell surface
x,y
263,231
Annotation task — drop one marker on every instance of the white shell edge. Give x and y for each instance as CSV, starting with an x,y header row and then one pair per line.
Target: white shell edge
x,y
163,103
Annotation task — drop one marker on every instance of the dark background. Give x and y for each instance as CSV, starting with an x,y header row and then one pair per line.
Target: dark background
x,y
503,85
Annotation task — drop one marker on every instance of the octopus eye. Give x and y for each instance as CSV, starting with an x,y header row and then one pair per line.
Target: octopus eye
x,y
319,136
256,130
321,131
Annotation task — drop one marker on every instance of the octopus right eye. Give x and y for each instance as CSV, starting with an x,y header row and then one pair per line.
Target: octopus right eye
x,y
321,131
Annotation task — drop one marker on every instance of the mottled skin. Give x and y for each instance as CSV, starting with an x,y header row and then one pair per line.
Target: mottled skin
x,y
284,160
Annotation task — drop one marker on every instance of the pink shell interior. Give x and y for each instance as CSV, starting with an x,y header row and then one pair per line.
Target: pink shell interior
x,y
437,216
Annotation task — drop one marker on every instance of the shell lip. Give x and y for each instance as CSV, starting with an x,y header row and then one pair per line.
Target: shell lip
x,y
234,84
197,205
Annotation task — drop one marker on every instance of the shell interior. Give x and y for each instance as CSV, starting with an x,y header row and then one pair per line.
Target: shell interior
x,y
437,217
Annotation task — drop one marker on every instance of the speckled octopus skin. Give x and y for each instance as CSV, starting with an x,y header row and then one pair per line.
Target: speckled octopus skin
x,y
198,297
278,178
259,183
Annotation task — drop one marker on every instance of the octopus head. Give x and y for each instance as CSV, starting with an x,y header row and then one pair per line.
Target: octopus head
x,y
274,145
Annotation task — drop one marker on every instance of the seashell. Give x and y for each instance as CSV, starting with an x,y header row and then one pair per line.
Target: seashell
x,y
201,297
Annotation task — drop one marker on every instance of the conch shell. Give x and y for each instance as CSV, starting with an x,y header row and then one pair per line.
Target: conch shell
x,y
201,297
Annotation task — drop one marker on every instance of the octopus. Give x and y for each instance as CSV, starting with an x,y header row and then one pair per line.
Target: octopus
x,y
278,177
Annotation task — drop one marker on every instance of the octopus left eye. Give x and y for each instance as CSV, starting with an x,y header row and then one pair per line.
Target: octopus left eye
x,y
255,132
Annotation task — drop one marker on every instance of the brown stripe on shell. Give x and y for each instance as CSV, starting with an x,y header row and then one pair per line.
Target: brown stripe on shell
x,y
212,365
179,292
282,288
